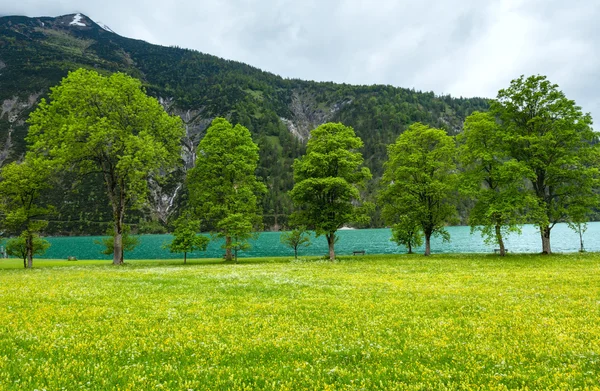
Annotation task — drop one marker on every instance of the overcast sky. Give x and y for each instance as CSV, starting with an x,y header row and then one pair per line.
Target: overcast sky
x,y
458,47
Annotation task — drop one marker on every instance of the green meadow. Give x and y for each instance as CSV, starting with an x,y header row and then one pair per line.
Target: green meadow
x,y
463,322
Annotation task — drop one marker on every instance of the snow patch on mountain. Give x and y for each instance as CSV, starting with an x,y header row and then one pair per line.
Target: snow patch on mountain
x,y
77,21
105,27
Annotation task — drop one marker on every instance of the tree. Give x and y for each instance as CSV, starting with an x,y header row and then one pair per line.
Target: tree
x,y
492,179
550,135
21,187
128,242
328,180
578,223
185,237
109,125
240,231
580,228
26,246
295,239
407,232
419,180
223,186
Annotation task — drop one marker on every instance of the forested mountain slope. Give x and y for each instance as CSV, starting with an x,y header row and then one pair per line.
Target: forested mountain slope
x,y
36,53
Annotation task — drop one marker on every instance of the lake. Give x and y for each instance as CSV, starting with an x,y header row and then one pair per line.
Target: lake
x,y
373,241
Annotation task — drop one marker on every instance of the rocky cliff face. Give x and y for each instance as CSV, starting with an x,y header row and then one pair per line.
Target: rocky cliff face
x,y
162,200
13,116
307,114
196,122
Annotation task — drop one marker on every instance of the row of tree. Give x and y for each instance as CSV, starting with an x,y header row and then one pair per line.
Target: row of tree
x,y
532,158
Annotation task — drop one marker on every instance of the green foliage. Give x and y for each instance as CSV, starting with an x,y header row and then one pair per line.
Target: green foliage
x,y
39,52
25,245
554,140
21,187
407,232
295,239
152,227
419,180
185,237
107,125
130,242
223,187
328,180
493,180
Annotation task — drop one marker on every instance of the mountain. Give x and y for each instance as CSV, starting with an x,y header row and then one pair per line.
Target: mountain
x,y
36,53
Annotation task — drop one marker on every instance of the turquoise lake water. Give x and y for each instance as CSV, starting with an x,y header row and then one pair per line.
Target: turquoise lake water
x,y
373,241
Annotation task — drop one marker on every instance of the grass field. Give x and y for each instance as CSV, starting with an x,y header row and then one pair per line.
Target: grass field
x,y
363,323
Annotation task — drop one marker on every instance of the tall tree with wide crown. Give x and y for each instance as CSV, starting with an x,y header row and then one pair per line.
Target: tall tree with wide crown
x,y
328,180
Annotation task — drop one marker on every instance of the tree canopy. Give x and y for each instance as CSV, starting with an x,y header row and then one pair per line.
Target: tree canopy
x,y
407,232
493,180
186,237
223,187
328,180
419,181
550,135
295,239
25,246
94,123
21,187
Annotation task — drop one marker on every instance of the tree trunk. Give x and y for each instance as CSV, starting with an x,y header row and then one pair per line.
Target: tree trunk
x,y
427,245
500,241
409,248
581,249
545,233
118,245
184,257
25,262
331,242
228,255
117,199
29,245
295,252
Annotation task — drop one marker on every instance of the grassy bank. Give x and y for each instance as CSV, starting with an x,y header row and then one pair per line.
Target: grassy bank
x,y
405,322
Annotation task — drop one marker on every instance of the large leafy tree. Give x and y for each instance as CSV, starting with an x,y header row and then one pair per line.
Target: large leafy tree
x,y
328,180
495,181
420,179
553,138
94,123
223,187
21,187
